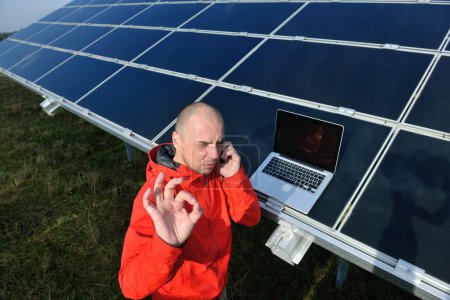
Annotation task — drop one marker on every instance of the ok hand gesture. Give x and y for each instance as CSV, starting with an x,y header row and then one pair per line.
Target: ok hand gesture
x,y
173,223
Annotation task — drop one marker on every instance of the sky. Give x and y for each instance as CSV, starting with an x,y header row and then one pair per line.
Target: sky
x,y
18,14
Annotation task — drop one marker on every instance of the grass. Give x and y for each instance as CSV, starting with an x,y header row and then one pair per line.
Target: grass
x,y
66,192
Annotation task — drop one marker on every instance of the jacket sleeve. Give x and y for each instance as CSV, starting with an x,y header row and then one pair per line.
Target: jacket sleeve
x,y
242,200
147,261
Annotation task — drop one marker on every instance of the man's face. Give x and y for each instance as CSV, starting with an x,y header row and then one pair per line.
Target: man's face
x,y
199,145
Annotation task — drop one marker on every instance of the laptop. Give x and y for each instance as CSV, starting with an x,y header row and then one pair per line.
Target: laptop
x,y
302,164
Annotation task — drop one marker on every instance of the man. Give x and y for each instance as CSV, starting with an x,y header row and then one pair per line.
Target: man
x,y
178,243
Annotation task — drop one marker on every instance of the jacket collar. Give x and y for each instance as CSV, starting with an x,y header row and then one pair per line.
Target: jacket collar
x,y
161,160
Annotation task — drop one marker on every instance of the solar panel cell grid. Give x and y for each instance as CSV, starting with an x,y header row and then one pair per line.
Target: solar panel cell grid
x,y
136,42
407,25
204,55
6,45
21,51
58,14
170,15
81,14
117,14
80,74
50,34
39,63
244,17
372,81
79,2
405,210
29,31
80,37
432,108
97,2
137,1
152,99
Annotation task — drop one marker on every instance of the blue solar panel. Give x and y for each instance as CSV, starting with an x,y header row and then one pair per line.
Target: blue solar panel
x,y
97,2
81,15
137,1
80,74
172,15
58,14
29,31
21,51
433,107
6,45
39,63
117,14
200,54
49,34
368,80
137,41
405,210
80,37
79,2
244,17
408,25
152,99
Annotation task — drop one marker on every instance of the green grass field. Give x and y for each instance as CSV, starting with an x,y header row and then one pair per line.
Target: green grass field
x,y
66,192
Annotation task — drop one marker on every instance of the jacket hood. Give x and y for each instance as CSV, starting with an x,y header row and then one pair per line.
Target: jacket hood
x,y
161,160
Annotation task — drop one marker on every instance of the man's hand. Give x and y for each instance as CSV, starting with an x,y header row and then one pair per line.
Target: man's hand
x,y
173,223
231,160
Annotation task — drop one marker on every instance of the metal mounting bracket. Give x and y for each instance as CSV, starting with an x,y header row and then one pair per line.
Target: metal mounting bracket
x,y
346,111
409,271
289,243
50,106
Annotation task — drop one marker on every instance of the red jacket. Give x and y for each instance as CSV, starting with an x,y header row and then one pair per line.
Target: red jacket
x,y
199,269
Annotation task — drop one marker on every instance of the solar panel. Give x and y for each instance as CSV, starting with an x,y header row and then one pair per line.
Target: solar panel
x,y
166,15
335,75
405,210
137,42
152,99
243,17
49,33
373,23
28,31
204,55
117,14
38,64
432,108
80,74
21,51
379,68
79,37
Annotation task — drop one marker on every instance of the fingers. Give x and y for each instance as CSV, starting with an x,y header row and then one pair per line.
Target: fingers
x,y
146,201
229,151
158,188
169,190
197,210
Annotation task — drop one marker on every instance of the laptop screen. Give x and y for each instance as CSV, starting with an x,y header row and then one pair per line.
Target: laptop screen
x,y
308,140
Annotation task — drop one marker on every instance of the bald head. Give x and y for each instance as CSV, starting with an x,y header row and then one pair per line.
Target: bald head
x,y
196,111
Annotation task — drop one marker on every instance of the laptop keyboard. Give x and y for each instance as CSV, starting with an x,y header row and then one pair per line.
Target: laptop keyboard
x,y
294,174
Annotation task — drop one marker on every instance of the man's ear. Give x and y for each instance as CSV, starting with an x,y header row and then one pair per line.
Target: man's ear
x,y
176,139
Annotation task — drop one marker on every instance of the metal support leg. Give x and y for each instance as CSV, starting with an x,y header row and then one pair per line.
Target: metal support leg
x,y
130,152
342,272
